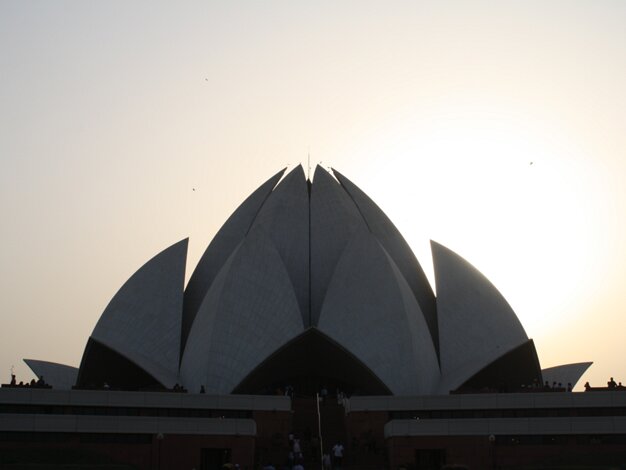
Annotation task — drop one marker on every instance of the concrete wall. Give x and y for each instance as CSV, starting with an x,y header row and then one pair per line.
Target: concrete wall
x,y
489,401
32,396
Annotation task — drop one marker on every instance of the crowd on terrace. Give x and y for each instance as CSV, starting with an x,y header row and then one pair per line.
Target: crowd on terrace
x,y
611,385
537,387
288,390
307,449
39,383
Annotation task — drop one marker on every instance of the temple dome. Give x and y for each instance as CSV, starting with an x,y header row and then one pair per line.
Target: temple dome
x,y
308,283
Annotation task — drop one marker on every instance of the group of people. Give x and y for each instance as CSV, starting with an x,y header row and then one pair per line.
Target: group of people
x,y
288,390
557,387
332,460
341,396
536,386
39,383
179,388
611,385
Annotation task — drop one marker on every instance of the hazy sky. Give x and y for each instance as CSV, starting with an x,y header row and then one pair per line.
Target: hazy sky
x,y
497,128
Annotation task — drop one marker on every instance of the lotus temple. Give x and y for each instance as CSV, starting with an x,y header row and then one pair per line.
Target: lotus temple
x,y
309,315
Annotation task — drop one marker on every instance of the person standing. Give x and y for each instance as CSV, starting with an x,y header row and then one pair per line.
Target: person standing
x,y
297,450
326,461
338,454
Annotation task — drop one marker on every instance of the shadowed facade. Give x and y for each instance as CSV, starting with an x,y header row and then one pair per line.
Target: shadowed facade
x,y
308,363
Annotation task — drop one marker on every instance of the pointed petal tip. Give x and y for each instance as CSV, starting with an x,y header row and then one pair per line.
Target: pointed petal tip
x,y
296,169
320,170
436,246
182,245
275,179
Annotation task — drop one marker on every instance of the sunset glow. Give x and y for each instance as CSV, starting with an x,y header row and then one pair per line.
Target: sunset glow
x,y
495,128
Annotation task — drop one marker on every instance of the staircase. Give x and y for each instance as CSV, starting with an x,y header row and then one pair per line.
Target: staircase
x,y
333,425
305,428
333,421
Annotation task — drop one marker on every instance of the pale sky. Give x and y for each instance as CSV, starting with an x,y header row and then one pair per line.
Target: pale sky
x,y
497,128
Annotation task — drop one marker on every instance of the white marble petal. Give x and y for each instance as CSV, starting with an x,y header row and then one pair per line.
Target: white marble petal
x,y
334,219
368,312
476,324
142,322
225,241
397,247
249,312
60,376
566,373
284,217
